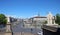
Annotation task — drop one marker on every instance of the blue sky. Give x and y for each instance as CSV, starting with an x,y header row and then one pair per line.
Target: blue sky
x,y
28,8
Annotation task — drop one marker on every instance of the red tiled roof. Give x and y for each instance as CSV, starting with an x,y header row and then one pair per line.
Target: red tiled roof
x,y
39,17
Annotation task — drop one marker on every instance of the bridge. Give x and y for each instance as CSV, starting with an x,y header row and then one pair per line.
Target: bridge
x,y
16,28
51,30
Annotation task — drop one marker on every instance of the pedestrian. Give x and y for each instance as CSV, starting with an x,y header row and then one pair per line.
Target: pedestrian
x,y
31,30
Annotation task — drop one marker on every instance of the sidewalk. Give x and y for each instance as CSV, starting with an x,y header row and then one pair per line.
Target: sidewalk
x,y
23,33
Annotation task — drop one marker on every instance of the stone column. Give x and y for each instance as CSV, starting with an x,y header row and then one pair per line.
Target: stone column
x,y
8,29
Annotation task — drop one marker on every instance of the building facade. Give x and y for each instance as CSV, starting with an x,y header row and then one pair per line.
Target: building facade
x,y
11,19
38,21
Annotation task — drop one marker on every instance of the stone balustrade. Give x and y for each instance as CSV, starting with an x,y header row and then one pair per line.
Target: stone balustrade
x,y
51,30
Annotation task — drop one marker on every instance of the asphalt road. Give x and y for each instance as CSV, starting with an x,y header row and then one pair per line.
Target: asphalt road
x,y
19,28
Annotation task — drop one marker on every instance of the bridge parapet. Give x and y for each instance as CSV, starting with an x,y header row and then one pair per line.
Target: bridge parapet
x,y
6,30
51,29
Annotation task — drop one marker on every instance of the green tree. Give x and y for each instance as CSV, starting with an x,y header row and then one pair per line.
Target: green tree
x,y
45,22
57,19
3,20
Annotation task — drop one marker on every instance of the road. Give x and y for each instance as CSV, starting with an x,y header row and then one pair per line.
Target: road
x,y
19,28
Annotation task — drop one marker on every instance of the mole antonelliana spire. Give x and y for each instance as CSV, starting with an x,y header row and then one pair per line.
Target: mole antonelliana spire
x,y
38,14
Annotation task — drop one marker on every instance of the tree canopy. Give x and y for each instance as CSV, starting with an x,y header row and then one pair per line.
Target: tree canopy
x,y
3,19
57,19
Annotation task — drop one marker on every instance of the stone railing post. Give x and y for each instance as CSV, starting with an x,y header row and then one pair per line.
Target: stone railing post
x,y
8,29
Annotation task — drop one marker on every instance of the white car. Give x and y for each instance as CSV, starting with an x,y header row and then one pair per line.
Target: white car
x,y
39,33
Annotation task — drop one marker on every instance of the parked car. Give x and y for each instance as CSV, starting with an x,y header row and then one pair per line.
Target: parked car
x,y
39,33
